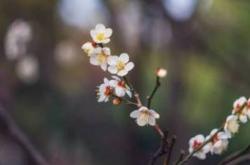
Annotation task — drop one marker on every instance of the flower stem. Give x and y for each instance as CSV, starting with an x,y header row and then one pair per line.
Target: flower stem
x,y
150,97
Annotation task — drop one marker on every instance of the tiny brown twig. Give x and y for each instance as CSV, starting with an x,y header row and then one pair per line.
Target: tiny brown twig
x,y
182,154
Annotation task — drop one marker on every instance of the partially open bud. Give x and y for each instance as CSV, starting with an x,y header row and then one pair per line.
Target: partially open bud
x,y
161,72
116,101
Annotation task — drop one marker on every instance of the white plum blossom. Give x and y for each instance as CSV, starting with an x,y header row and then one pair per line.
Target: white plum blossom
x,y
232,125
120,65
195,143
101,34
120,87
239,110
99,56
145,116
88,48
161,72
104,91
248,108
219,141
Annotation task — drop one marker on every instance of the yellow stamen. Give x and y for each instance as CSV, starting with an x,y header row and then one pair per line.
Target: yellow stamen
x,y
120,65
100,36
102,58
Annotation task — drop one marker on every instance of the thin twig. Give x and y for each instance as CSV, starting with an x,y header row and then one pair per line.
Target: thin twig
x,y
182,154
15,133
170,150
235,156
150,97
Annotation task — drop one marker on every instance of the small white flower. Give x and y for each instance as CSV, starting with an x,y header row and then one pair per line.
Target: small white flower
x,y
232,125
219,141
99,57
101,34
104,91
161,72
120,87
239,110
195,143
88,48
120,65
145,116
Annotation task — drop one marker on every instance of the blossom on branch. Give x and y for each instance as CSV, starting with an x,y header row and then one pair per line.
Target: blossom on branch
x,y
99,57
219,141
232,125
101,34
196,143
239,110
145,116
161,72
120,87
104,91
88,48
120,65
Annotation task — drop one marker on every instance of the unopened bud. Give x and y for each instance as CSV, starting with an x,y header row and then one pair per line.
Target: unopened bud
x,y
161,72
116,101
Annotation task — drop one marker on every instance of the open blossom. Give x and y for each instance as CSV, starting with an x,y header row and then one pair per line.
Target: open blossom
x,y
99,57
88,48
145,116
195,143
120,65
120,87
239,110
101,34
248,108
219,141
104,91
232,125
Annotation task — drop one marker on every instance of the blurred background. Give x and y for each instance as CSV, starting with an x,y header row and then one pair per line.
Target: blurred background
x,y
48,86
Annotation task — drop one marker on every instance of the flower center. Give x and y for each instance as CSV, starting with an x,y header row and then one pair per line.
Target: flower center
x,y
100,36
108,91
196,145
121,84
101,58
215,139
120,65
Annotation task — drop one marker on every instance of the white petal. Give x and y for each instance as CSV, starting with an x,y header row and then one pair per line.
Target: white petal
x,y
129,66
141,121
134,114
106,51
104,66
113,83
154,114
124,57
93,60
106,81
112,60
100,27
129,93
151,121
243,118
112,69
122,73
105,41
93,34
120,92
108,32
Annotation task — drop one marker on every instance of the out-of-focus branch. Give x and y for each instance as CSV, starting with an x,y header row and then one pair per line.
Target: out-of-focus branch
x,y
237,156
19,137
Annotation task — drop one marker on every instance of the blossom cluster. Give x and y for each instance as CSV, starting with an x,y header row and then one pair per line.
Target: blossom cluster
x,y
217,141
118,66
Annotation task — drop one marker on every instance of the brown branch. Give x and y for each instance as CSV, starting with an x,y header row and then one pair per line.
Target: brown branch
x,y
13,130
235,156
170,150
182,154
161,150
